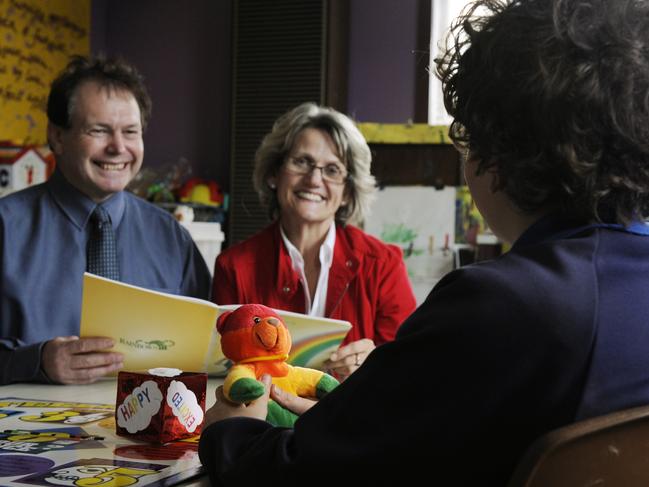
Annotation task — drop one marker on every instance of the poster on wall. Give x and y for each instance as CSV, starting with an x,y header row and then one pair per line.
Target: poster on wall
x,y
420,220
37,40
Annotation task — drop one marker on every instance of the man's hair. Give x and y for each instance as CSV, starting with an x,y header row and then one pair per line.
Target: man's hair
x,y
113,74
352,149
553,95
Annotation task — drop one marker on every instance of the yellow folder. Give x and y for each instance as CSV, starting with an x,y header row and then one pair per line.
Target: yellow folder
x,y
156,329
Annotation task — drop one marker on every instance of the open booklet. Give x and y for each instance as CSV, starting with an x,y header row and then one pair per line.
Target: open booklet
x,y
155,329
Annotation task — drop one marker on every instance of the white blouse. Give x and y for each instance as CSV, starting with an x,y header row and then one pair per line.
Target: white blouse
x,y
317,306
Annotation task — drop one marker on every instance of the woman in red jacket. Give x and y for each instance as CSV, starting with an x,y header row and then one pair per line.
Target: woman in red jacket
x,y
313,172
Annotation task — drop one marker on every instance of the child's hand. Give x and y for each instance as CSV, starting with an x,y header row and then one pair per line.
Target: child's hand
x,y
224,409
293,403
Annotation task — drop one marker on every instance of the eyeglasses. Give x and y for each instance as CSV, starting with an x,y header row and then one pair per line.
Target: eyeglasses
x,y
332,173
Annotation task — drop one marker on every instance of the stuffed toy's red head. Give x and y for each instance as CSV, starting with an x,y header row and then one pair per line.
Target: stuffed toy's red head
x,y
257,341
253,331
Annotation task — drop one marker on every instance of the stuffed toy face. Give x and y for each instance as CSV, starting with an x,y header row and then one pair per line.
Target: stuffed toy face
x,y
251,331
256,339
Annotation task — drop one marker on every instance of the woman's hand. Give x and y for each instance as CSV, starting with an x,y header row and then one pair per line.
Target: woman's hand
x,y
347,359
224,409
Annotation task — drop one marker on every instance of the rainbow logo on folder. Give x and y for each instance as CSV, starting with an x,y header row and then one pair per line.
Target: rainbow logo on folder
x,y
307,352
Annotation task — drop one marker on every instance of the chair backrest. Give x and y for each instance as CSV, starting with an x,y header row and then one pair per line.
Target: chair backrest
x,y
606,451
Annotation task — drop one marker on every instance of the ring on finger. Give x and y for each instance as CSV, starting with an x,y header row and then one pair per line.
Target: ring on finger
x,y
358,360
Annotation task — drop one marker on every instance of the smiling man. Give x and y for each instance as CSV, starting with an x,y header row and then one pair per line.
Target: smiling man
x,y
97,111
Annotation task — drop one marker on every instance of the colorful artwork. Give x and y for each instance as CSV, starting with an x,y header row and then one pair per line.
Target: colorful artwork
x,y
468,220
95,471
420,220
44,440
7,412
69,416
65,443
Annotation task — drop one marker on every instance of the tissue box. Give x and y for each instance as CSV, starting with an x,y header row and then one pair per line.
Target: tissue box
x,y
160,406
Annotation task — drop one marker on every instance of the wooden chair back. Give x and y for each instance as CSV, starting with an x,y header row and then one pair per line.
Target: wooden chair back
x,y
610,450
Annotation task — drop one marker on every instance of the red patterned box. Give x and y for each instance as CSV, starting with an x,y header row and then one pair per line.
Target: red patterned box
x,y
160,406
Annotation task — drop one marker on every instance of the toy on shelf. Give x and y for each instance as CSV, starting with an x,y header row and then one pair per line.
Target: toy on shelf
x,y
184,213
201,191
205,198
160,406
171,185
21,167
159,184
257,341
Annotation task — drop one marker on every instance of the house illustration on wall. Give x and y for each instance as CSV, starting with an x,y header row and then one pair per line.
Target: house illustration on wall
x,y
20,170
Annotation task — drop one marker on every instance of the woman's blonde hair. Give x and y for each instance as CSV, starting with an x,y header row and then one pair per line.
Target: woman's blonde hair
x,y
351,147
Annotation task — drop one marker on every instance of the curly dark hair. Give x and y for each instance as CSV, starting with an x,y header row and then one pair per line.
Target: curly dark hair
x,y
111,73
553,95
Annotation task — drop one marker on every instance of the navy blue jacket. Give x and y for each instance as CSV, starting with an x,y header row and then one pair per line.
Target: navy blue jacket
x,y
500,352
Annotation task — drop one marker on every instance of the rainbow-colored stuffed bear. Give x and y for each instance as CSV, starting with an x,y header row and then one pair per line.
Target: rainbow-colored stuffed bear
x,y
258,342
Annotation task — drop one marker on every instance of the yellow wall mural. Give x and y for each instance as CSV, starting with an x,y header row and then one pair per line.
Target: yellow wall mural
x,y
36,39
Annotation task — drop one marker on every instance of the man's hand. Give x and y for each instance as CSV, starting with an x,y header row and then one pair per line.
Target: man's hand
x,y
344,361
224,409
74,360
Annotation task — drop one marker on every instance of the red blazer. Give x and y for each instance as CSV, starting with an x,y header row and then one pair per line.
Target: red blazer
x,y
368,282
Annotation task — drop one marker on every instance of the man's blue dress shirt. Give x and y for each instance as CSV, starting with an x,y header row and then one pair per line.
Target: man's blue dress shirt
x,y
43,234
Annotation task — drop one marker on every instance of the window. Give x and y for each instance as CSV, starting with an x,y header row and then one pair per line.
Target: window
x,y
442,14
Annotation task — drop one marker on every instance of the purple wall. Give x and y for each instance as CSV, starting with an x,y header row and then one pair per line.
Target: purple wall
x,y
183,50
382,58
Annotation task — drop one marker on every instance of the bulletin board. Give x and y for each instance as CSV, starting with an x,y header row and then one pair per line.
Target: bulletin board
x,y
36,40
